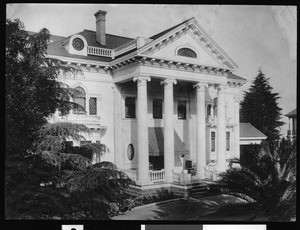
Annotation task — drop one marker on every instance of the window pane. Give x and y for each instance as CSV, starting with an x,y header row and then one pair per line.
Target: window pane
x,y
181,110
130,107
208,110
187,53
157,108
93,106
227,141
213,141
79,100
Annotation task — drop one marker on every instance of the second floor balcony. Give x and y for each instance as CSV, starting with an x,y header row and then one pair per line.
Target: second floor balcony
x,y
213,121
79,118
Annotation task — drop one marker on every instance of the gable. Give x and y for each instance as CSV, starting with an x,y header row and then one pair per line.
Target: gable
x,y
198,35
169,50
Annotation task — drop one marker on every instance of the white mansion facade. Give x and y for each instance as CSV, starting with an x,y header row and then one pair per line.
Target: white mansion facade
x,y
156,102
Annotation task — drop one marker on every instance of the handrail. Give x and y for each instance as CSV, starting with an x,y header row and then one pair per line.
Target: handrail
x,y
156,176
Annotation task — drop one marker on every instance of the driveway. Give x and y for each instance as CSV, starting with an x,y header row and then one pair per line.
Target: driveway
x,y
178,209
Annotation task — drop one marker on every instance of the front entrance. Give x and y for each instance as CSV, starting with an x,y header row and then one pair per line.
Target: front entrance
x,y
156,162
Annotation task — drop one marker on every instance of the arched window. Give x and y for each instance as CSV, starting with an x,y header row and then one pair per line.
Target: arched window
x,y
79,100
186,52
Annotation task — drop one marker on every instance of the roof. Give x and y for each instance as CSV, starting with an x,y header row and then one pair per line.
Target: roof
x,y
56,48
292,113
112,42
236,77
249,131
53,38
168,30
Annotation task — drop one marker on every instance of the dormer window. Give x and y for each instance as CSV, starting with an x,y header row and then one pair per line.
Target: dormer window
x,y
78,44
186,52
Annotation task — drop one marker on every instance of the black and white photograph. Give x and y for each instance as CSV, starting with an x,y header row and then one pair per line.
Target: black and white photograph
x,y
151,112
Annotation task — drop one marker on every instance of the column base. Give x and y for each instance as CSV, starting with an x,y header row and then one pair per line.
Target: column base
x,y
143,182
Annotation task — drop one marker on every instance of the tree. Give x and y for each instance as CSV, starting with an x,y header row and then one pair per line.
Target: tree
x,y
49,183
41,180
260,108
267,183
32,90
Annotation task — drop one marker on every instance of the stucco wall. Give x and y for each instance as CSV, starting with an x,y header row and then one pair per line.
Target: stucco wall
x,y
98,84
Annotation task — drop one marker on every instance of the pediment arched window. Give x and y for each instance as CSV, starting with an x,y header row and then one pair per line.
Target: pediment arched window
x,y
186,52
79,100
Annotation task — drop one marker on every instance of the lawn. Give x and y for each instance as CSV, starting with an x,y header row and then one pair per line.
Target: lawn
x,y
201,209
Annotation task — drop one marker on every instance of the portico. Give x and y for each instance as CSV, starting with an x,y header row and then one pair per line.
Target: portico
x,y
199,96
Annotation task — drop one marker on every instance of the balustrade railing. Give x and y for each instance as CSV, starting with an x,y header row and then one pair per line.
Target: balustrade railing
x,y
77,118
157,176
92,50
211,120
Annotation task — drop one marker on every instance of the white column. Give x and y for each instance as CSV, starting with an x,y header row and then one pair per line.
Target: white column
x,y
236,127
168,128
142,123
201,129
221,129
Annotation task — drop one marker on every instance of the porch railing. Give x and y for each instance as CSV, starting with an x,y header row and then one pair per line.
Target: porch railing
x,y
175,176
157,176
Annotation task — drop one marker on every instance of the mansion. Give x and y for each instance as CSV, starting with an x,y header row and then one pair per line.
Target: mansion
x,y
159,104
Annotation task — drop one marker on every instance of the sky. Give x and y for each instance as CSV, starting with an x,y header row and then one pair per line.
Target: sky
x,y
253,36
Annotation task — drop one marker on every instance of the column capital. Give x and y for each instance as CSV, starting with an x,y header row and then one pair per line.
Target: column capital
x,y
220,87
141,80
200,86
167,82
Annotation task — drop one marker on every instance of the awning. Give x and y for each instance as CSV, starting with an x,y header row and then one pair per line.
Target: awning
x,y
156,143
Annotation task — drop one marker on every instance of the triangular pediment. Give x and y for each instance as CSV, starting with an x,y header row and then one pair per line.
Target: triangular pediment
x,y
191,36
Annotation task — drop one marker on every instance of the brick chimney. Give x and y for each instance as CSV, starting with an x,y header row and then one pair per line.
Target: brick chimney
x,y
100,27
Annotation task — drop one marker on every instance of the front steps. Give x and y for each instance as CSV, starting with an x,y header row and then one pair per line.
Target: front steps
x,y
195,189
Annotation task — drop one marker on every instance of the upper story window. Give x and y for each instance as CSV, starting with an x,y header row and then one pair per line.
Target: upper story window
x,y
227,141
186,52
157,108
181,108
129,107
79,100
78,44
213,141
93,106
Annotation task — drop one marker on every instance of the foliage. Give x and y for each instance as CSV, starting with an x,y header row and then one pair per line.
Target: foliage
x,y
260,108
32,90
51,137
62,186
267,182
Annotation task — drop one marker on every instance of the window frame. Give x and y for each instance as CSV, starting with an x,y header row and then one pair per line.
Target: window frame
x,y
161,108
178,111
95,98
77,97
228,141
212,141
125,114
185,49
